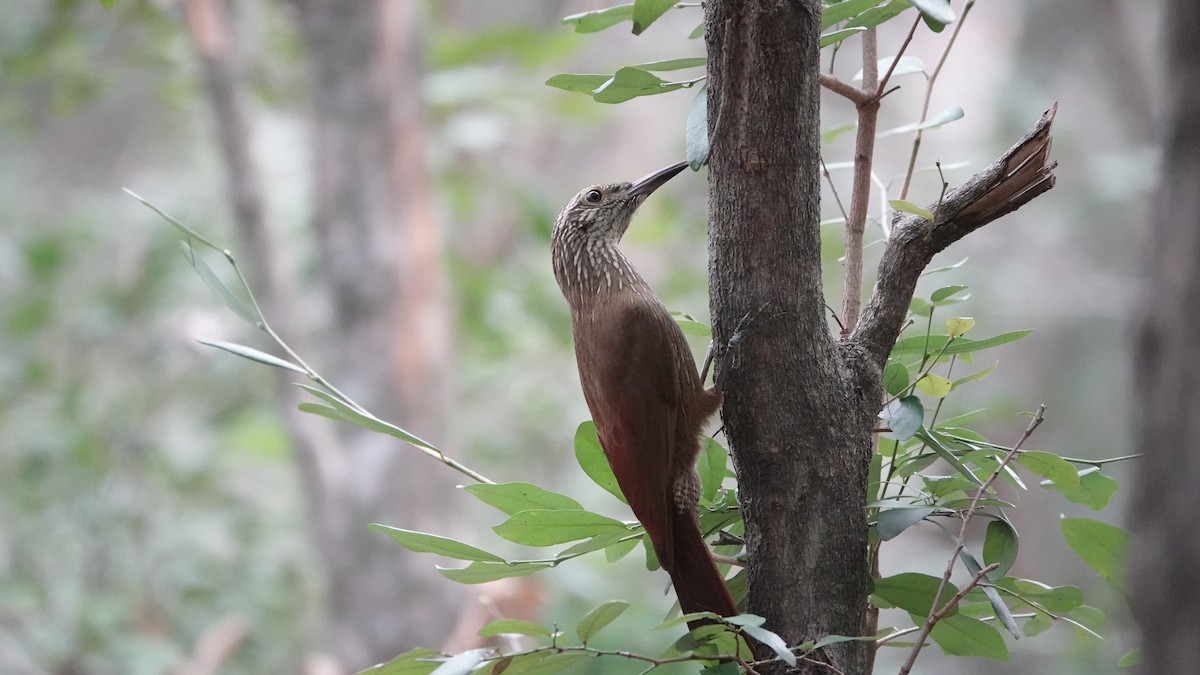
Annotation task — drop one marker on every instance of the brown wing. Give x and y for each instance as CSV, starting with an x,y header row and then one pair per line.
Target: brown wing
x,y
636,409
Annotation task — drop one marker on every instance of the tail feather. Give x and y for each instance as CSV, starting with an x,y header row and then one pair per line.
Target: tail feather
x,y
698,584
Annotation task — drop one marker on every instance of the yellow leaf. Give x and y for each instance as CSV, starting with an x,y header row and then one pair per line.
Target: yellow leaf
x,y
934,385
959,325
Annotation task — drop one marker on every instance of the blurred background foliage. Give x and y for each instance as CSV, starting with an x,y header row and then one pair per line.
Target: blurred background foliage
x,y
150,503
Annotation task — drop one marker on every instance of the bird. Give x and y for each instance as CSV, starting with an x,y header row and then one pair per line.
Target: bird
x,y
640,382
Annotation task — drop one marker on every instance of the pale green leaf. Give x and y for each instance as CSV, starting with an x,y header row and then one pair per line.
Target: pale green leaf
x,y
514,627
422,542
483,571
934,385
1100,545
512,498
592,460
598,618
964,636
909,207
252,354
550,527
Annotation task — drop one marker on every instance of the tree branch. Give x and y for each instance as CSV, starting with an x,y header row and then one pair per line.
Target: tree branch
x,y
1017,177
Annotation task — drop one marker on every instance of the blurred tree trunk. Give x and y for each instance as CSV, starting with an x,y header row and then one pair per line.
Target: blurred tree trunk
x,y
378,256
1166,562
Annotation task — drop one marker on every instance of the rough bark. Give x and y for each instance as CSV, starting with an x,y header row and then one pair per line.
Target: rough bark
x,y
799,406
1166,560
798,427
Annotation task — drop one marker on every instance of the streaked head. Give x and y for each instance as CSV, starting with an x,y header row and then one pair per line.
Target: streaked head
x,y
602,212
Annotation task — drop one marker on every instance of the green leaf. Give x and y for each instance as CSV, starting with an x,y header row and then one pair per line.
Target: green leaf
x,y
954,112
832,133
685,618
942,486
421,542
919,344
550,527
907,66
892,522
904,417
598,542
1089,620
1130,659
836,36
252,354
418,661
964,636
1100,545
347,414
583,84
693,327
108,4
937,11
934,385
696,135
514,627
769,639
1053,598
712,464
614,552
946,268
976,376
895,378
515,497
461,664
1094,490
998,607
909,207
651,555
841,11
1000,546
592,460
1036,625
697,32
598,618
674,64
1050,466
958,326
914,592
597,20
543,663
945,293
629,83
646,12
934,440
879,15
481,572
210,279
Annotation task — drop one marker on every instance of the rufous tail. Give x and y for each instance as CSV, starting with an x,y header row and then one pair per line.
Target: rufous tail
x,y
698,584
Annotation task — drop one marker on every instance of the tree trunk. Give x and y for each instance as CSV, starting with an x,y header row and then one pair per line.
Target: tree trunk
x,y
378,254
1166,563
798,428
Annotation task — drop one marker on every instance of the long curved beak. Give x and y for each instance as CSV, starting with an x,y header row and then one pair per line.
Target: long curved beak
x,y
647,184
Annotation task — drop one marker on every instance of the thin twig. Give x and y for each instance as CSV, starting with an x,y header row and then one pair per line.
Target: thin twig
x,y
912,159
833,189
844,89
860,194
935,613
879,92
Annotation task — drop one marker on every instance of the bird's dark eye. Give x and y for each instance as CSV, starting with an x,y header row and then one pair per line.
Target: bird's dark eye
x,y
593,196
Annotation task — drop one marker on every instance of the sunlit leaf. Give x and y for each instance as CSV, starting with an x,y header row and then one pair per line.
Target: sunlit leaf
x,y
958,326
482,571
934,385
909,207
550,527
421,542
512,498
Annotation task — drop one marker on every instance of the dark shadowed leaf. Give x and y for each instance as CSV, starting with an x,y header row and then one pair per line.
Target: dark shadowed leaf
x,y
1000,545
